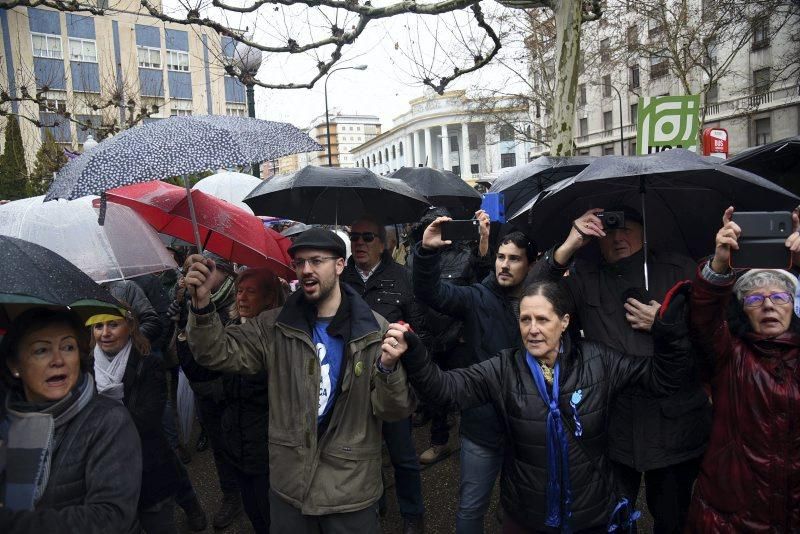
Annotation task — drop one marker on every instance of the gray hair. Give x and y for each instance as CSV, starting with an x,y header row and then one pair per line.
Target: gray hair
x,y
761,278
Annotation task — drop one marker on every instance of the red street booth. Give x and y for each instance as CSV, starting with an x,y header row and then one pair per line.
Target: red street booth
x,y
715,142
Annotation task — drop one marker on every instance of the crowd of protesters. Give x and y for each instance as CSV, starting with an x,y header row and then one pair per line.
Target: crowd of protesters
x,y
571,382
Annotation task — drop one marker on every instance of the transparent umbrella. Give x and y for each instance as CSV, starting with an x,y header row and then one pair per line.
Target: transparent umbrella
x,y
229,186
126,246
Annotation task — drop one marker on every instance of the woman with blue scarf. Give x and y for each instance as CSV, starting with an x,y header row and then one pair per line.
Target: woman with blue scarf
x,y
553,396
70,459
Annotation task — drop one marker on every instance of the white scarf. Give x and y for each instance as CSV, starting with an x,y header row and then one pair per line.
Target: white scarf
x,y
108,372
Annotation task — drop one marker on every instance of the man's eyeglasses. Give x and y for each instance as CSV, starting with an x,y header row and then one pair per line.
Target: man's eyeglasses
x,y
779,299
368,237
315,262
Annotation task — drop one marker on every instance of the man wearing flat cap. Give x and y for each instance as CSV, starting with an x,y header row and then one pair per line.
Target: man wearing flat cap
x,y
660,438
328,391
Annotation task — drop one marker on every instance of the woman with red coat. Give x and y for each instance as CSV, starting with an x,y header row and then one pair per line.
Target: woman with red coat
x,y
750,476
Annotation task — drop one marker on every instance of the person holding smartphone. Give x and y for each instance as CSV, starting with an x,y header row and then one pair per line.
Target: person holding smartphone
x,y
750,476
489,310
661,439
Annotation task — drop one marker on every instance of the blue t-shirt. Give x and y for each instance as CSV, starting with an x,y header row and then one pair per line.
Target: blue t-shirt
x,y
330,351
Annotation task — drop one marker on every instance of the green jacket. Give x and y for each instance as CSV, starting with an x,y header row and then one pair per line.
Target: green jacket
x,y
338,470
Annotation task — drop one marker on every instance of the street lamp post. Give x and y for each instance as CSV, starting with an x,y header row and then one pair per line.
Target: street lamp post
x,y
621,132
327,119
248,60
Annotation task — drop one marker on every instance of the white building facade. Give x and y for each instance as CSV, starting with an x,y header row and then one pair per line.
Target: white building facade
x,y
347,131
444,132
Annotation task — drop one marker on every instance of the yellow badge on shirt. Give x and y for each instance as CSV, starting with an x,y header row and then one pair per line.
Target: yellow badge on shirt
x,y
359,368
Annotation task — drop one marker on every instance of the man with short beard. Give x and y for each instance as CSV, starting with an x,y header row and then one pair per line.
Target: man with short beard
x,y
490,312
328,393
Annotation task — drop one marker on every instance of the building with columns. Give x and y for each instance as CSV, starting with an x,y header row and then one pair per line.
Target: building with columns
x,y
449,132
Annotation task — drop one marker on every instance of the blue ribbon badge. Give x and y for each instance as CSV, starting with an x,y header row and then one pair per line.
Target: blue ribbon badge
x,y
577,397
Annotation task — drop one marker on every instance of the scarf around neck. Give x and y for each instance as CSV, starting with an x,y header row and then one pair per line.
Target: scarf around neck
x,y
559,494
109,371
31,429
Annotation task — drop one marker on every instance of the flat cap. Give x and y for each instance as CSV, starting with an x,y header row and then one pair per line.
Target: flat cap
x,y
320,239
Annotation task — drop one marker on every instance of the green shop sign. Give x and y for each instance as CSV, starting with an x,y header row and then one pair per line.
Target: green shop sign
x,y
665,122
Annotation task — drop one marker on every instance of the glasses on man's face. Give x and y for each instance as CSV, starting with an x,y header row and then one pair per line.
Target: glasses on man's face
x,y
314,262
779,299
367,237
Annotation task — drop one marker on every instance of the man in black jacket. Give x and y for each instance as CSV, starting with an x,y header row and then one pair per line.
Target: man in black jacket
x,y
386,286
490,311
663,438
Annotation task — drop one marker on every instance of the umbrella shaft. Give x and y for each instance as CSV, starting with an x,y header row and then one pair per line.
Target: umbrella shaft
x,y
192,215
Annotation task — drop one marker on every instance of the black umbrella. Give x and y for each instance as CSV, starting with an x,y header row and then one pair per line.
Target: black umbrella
x,y
38,277
680,195
331,195
521,183
442,189
779,162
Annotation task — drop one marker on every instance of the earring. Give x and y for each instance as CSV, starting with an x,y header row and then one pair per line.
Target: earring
x,y
16,374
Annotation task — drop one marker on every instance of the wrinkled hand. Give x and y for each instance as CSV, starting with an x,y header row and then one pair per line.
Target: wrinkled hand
x,y
641,316
200,281
727,239
584,228
432,237
394,345
793,241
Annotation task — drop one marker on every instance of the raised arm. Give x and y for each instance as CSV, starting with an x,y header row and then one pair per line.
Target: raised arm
x,y
465,388
237,349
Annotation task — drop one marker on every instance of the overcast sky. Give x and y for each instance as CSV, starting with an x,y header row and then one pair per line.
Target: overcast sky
x,y
384,89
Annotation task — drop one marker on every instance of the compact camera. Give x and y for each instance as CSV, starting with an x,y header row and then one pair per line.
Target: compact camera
x,y
612,220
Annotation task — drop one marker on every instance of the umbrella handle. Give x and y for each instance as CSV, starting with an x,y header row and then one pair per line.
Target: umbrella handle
x,y
192,215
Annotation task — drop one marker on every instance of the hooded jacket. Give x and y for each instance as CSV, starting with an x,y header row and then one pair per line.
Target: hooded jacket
x,y
490,325
506,382
646,432
750,475
328,471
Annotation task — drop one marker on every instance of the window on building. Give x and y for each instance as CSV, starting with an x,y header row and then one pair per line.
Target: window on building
x,y
633,77
583,152
760,32
608,121
473,141
453,143
659,66
608,150
46,46
149,58
761,80
456,169
177,60
632,147
53,103
654,28
387,155
238,111
83,50
606,83
582,94
583,127
634,113
400,148
180,108
506,133
394,154
508,160
605,49
474,168
176,112
380,157
632,38
710,58
763,130
712,95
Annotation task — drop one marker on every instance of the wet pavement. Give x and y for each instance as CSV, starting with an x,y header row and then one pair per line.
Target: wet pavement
x,y
439,488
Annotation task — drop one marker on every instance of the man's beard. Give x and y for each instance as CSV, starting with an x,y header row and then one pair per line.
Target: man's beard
x,y
325,290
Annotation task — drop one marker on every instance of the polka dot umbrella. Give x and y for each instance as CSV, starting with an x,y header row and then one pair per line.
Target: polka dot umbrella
x,y
177,146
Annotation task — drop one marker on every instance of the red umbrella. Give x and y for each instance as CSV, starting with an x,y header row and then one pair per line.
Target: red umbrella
x,y
224,229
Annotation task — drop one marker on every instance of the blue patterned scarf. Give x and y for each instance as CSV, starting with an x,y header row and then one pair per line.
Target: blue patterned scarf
x,y
29,430
559,494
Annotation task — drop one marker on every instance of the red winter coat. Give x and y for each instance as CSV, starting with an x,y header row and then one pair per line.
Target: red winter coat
x,y
750,476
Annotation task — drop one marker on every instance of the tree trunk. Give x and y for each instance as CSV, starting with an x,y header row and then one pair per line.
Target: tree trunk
x,y
568,46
